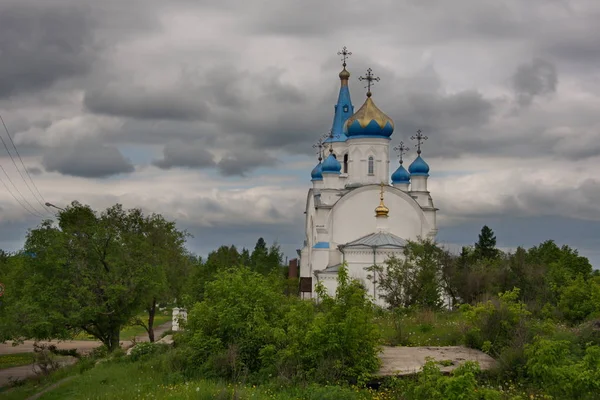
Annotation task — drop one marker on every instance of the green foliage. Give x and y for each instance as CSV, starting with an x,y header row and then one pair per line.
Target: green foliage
x,y
341,342
553,366
223,258
241,314
145,349
414,281
91,273
499,322
264,260
431,384
421,327
247,328
15,360
485,248
580,300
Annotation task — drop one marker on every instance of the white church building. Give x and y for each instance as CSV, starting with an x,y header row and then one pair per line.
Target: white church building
x,y
357,212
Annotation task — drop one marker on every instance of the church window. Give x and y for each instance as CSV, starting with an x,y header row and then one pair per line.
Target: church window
x,y
346,108
371,166
345,163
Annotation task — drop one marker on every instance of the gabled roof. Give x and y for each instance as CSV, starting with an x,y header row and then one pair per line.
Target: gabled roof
x,y
376,240
332,269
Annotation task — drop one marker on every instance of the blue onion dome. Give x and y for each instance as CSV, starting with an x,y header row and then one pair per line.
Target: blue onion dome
x,y
401,175
331,165
317,173
369,121
419,167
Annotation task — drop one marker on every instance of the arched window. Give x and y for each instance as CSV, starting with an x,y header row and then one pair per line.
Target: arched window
x,y
371,166
345,163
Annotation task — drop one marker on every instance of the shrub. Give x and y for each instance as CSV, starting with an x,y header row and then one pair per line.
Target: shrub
x,y
241,314
44,359
430,384
142,350
247,328
337,341
502,322
552,365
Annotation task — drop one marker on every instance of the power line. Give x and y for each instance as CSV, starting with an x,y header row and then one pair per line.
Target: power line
x,y
34,212
42,203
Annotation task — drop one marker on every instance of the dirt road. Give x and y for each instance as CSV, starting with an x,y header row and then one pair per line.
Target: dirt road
x,y
82,346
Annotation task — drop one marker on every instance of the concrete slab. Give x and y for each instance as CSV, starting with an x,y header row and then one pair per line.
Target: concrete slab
x,y
398,361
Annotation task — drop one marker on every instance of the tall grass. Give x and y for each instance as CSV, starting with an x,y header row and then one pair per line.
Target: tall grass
x,y
422,328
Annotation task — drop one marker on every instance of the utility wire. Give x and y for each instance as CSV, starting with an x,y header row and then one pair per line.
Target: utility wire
x,y
42,203
34,212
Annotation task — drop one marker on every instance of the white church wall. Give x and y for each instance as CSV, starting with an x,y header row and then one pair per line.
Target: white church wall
x,y
358,166
329,281
353,216
418,183
430,215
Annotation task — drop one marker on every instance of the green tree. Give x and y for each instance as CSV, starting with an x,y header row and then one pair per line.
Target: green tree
x,y
222,259
86,274
415,280
580,300
486,244
161,245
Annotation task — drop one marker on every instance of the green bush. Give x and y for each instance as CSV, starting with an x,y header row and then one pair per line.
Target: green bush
x,y
552,365
335,341
431,384
142,350
497,324
247,328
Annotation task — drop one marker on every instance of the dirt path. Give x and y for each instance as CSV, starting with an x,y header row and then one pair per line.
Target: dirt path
x,y
82,346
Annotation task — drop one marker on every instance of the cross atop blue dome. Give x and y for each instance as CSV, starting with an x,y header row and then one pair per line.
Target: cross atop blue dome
x,y
419,167
344,108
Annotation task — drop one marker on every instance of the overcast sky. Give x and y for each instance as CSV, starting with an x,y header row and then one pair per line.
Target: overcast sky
x,y
205,111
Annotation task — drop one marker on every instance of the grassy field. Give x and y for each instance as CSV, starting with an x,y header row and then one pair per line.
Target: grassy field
x,y
422,328
128,380
15,360
130,332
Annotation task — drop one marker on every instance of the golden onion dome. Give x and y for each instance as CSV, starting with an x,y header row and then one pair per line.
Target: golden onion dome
x,y
344,75
381,210
369,121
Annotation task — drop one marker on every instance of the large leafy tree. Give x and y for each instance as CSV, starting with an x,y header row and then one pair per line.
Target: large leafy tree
x,y
93,273
161,245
